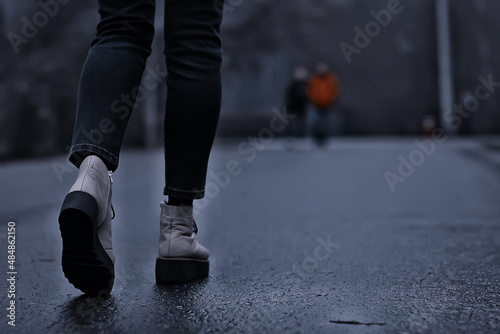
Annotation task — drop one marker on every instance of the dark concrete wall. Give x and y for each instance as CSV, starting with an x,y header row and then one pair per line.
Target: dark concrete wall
x,y
39,79
476,52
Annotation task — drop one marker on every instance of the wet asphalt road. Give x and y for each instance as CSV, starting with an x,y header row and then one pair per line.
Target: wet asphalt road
x,y
302,240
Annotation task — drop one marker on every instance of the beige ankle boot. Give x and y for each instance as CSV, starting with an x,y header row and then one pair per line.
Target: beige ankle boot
x,y
85,224
181,258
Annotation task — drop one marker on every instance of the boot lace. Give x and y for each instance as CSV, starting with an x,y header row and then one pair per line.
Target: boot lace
x,y
195,228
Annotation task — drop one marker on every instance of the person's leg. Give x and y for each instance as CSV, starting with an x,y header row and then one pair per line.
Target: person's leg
x,y
319,128
194,55
302,124
109,80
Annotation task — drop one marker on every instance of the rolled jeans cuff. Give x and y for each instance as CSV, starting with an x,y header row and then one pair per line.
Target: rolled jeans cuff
x,y
81,151
184,194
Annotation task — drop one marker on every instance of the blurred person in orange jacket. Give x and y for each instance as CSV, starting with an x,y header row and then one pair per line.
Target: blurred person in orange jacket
x,y
323,92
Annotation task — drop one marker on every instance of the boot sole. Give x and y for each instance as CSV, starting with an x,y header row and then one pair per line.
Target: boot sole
x,y
85,263
180,270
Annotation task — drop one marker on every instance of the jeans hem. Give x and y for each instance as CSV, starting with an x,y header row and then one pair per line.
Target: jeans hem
x,y
184,194
81,151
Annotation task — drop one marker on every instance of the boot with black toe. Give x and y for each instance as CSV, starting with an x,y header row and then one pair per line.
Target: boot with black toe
x,y
181,258
85,224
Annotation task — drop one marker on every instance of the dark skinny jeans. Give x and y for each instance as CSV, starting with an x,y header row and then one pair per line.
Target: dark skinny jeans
x,y
111,77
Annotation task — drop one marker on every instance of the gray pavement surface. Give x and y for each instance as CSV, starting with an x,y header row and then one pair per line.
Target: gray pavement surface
x,y
302,240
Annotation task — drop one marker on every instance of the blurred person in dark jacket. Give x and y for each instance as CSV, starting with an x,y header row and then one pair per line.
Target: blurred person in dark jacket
x,y
323,91
110,85
297,102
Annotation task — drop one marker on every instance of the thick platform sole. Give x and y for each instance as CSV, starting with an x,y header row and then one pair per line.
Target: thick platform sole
x,y
85,263
180,270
